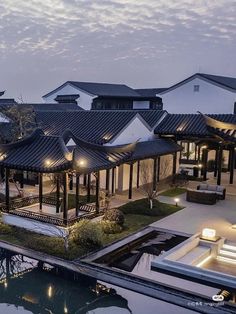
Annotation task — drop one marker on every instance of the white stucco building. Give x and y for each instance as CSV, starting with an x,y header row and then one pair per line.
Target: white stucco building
x,y
201,92
103,96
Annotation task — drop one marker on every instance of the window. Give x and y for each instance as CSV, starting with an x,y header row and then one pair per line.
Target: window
x,y
196,88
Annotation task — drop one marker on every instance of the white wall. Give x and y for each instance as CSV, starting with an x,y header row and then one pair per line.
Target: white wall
x,y
209,99
141,104
33,225
84,101
136,130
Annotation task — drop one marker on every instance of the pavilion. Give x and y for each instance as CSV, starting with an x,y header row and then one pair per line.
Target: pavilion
x,y
203,136
48,154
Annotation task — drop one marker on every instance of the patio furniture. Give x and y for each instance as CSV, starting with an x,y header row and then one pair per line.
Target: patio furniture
x,y
219,190
201,197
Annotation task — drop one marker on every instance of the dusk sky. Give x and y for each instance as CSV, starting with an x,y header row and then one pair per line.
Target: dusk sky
x,y
141,43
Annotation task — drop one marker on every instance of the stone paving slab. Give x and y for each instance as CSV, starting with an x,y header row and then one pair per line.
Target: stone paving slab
x,y
194,217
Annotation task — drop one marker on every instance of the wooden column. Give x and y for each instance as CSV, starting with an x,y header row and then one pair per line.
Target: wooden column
x,y
77,194
89,188
219,165
216,163
97,191
195,152
138,173
65,197
174,163
22,179
199,153
40,191
154,174
130,180
108,181
71,182
158,168
113,181
7,189
232,159
188,151
204,161
85,180
58,193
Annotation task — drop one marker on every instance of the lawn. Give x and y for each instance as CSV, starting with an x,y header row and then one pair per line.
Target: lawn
x,y
173,192
137,215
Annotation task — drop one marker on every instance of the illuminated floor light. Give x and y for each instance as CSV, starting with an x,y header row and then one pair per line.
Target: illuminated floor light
x,y
204,261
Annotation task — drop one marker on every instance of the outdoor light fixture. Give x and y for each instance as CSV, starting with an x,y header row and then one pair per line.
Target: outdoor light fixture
x,y
200,166
204,147
3,156
176,201
50,292
81,162
209,234
47,162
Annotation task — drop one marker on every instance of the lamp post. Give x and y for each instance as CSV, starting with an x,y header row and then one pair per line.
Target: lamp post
x,y
176,201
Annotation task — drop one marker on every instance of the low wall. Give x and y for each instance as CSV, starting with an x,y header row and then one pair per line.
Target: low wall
x,y
33,225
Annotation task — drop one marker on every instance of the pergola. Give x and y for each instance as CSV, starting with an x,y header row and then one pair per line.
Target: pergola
x,y
43,154
208,132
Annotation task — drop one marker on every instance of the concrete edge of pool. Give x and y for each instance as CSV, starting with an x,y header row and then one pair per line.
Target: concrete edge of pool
x,y
131,282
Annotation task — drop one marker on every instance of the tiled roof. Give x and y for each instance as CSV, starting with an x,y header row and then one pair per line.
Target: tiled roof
x,y
37,152
189,124
93,126
101,89
150,92
223,81
43,153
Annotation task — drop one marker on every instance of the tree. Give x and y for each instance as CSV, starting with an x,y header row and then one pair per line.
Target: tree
x,y
22,119
148,187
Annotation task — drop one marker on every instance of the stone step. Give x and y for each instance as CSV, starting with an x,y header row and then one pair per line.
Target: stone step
x,y
195,256
227,253
231,247
226,259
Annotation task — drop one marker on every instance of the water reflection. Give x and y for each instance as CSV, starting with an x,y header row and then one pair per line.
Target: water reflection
x,y
35,287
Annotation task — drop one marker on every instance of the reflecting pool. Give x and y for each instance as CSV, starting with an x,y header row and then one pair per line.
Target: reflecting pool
x,y
29,286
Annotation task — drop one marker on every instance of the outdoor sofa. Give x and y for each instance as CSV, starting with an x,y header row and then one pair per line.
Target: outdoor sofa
x,y
206,194
213,189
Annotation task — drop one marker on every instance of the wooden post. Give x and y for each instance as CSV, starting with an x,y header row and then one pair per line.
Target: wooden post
x,y
77,195
40,191
97,191
7,189
158,168
220,165
89,188
174,163
154,174
58,193
71,182
204,160
216,163
113,181
232,159
85,180
138,173
22,179
107,181
65,198
195,152
130,180
187,150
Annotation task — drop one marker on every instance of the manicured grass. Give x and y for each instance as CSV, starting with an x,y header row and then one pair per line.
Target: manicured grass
x,y
174,192
141,207
137,215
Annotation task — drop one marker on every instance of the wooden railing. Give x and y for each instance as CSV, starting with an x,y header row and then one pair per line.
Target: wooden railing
x,y
16,205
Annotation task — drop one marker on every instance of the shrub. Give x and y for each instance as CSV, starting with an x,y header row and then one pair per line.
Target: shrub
x,y
110,227
114,215
88,234
5,229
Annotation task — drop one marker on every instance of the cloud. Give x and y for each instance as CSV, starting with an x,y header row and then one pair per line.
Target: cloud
x,y
91,33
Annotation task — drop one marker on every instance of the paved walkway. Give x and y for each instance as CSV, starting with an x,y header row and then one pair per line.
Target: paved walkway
x,y
194,217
